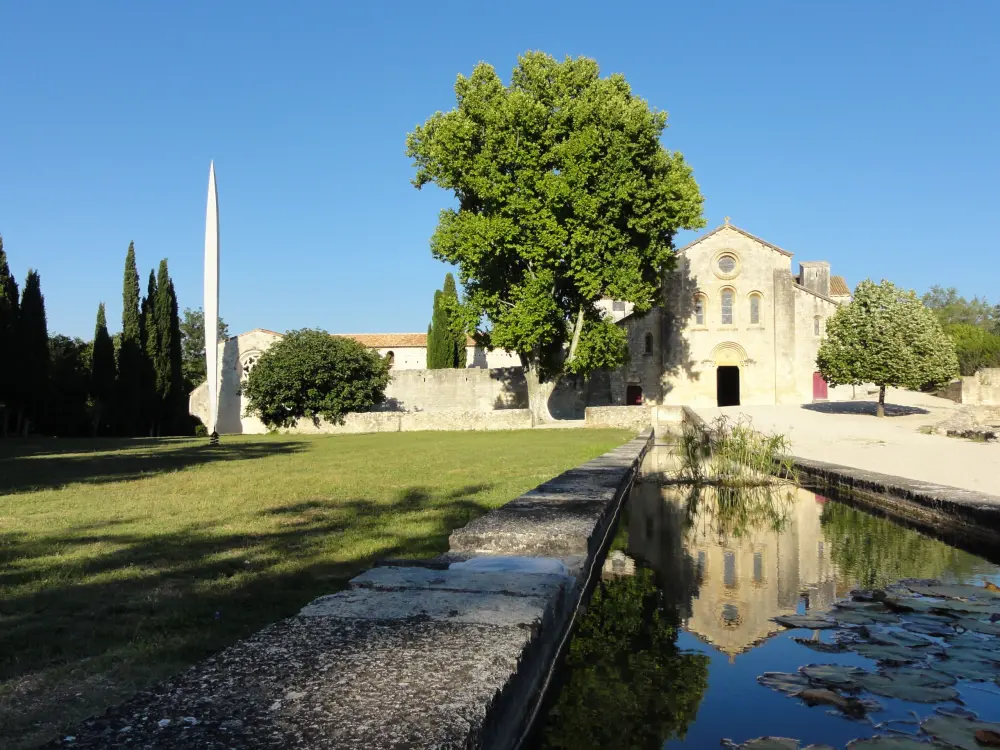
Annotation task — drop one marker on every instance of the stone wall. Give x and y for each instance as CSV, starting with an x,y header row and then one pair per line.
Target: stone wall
x,y
470,389
397,421
625,417
983,388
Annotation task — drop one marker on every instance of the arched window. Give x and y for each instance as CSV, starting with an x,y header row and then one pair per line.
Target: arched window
x,y
390,359
649,343
755,309
247,363
699,310
816,325
726,318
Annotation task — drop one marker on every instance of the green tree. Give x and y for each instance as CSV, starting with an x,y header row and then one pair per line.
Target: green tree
x,y
129,400
887,337
975,346
68,413
440,346
565,196
102,376
456,330
310,374
192,331
953,309
9,342
163,307
179,415
33,363
148,335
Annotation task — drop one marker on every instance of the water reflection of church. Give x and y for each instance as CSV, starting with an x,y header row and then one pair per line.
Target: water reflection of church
x,y
729,584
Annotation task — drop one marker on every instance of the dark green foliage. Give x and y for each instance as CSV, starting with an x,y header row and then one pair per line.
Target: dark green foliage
x,y
310,374
33,361
440,347
161,356
180,423
565,195
9,306
976,347
628,685
192,332
67,414
129,400
456,331
150,347
102,377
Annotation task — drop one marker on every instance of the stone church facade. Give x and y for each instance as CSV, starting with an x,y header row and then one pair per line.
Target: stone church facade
x,y
738,327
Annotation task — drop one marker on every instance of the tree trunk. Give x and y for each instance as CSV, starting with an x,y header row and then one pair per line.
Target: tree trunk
x,y
880,412
538,396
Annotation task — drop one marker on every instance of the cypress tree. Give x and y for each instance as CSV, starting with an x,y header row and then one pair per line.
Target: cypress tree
x,y
33,365
102,375
439,343
150,353
164,345
8,342
179,410
130,353
455,329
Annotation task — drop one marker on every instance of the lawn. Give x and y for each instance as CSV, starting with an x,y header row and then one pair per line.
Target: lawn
x,y
123,561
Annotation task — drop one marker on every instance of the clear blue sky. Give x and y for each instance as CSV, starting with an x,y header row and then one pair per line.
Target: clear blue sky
x,y
863,133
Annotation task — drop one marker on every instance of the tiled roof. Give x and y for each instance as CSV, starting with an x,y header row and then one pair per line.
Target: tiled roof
x,y
745,233
393,340
838,287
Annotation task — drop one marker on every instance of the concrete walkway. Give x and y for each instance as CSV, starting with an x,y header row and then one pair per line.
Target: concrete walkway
x,y
848,433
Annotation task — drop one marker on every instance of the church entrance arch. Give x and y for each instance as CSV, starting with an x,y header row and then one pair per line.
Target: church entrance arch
x,y
727,385
633,395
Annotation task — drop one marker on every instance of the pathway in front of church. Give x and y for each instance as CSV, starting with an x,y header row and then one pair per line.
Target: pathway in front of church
x,y
848,433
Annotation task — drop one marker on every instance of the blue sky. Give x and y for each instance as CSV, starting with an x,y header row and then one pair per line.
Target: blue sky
x,y
857,132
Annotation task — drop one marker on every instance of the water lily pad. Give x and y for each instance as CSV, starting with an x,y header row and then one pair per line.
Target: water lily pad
x,y
978,626
786,682
976,670
821,646
810,622
833,674
771,743
865,606
907,688
892,654
900,638
890,742
935,626
952,590
853,617
957,732
925,676
962,713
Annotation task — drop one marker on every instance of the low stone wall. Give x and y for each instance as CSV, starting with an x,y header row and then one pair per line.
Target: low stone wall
x,y
383,421
625,417
981,389
452,652
470,389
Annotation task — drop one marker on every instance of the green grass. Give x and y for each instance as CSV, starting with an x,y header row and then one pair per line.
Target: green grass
x,y
123,561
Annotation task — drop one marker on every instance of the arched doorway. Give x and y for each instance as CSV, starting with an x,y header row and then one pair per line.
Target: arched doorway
x,y
633,395
727,385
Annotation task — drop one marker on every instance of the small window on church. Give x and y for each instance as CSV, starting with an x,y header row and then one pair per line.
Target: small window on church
x,y
755,309
649,343
816,326
617,306
699,310
390,359
727,307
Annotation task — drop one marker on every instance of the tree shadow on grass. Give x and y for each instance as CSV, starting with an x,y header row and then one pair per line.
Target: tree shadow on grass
x,y
864,407
30,466
81,633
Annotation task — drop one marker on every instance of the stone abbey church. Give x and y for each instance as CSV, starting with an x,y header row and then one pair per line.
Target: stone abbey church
x,y
738,327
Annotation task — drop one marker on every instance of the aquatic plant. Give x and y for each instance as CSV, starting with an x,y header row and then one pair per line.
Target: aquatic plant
x,y
732,453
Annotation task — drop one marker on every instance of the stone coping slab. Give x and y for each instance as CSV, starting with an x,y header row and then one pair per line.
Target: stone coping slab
x,y
460,580
969,514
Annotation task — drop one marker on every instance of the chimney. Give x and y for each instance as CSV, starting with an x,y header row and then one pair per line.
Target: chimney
x,y
814,275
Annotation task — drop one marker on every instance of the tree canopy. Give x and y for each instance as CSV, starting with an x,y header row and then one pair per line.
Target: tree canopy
x,y
102,375
887,337
565,195
974,326
192,331
311,374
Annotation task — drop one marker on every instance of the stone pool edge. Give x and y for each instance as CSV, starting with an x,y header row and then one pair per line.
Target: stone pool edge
x,y
422,654
973,516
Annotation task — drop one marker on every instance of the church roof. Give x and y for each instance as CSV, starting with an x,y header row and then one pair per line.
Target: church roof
x,y
838,287
393,340
745,233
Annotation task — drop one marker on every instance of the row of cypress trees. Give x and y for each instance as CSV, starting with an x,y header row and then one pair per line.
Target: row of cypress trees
x,y
132,387
446,339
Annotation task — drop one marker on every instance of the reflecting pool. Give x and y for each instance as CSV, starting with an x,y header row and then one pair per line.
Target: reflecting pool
x,y
680,627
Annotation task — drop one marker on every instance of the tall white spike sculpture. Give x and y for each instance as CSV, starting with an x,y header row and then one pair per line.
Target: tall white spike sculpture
x,y
212,303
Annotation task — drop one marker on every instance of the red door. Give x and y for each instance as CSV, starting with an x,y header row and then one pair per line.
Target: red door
x,y
819,388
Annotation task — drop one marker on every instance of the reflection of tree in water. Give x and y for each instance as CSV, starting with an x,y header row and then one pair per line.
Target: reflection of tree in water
x,y
737,512
874,552
628,685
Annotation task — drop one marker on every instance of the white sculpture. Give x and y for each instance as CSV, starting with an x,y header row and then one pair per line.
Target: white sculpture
x,y
212,303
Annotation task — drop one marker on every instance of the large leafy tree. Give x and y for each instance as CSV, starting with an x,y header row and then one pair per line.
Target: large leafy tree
x,y
67,414
102,375
954,309
9,342
130,401
192,332
887,337
310,374
33,363
564,195
975,346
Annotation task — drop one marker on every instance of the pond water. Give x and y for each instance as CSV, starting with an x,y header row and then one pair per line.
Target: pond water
x,y
678,630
